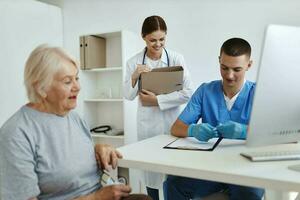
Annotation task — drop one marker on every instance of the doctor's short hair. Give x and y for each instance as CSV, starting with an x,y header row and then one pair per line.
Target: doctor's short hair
x,y
236,47
41,66
153,23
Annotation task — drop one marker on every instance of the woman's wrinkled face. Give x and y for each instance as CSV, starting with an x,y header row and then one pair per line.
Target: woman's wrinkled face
x,y
62,94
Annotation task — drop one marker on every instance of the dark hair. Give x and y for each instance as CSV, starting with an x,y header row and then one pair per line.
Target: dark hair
x,y
236,47
153,23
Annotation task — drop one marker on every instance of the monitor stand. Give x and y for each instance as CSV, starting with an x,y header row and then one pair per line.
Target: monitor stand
x,y
294,167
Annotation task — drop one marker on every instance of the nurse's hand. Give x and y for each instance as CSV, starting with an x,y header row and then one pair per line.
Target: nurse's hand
x,y
106,155
232,130
203,132
136,74
148,98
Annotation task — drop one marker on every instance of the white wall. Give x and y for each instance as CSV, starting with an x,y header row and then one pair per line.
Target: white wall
x,y
24,24
197,28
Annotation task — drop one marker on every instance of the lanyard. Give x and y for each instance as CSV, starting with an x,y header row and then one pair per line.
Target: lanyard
x,y
168,60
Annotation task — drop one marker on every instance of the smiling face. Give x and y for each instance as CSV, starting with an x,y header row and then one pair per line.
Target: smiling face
x,y
155,42
61,96
233,70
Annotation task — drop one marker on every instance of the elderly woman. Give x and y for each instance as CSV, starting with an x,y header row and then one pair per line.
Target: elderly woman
x,y
46,150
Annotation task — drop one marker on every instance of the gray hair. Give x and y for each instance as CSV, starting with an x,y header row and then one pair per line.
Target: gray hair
x,y
41,66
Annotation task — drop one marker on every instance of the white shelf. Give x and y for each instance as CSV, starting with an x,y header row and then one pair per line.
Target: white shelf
x,y
102,93
104,69
115,141
102,135
103,100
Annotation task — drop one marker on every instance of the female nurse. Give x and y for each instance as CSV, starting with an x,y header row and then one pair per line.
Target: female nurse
x,y
156,113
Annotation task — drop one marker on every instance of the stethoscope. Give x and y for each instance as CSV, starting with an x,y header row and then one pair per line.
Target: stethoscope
x,y
101,129
144,57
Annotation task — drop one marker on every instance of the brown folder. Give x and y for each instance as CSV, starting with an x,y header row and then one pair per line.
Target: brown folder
x,y
92,52
162,80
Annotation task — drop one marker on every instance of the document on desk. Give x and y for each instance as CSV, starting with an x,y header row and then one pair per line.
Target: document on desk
x,y
191,143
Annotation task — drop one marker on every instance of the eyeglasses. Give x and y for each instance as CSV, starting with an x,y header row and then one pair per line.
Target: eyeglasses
x,y
106,179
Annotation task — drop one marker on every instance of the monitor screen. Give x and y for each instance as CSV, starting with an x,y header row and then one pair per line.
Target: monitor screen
x,y
275,116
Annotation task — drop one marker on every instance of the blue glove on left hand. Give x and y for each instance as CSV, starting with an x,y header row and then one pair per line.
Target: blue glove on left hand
x,y
203,132
232,130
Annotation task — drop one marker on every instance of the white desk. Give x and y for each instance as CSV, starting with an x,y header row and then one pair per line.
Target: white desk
x,y
224,164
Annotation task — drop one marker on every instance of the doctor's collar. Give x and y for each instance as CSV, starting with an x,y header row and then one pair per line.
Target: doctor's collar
x,y
164,56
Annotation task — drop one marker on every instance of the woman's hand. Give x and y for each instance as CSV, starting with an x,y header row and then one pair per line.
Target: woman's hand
x,y
106,155
148,98
136,74
112,192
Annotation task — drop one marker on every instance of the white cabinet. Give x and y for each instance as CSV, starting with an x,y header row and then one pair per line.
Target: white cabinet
x,y
102,89
103,102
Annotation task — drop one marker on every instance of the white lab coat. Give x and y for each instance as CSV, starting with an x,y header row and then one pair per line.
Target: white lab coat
x,y
152,121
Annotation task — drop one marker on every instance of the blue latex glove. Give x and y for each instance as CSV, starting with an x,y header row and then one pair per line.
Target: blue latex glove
x,y
232,130
202,132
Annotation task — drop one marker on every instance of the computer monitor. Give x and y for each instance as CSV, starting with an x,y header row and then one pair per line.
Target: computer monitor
x,y
275,116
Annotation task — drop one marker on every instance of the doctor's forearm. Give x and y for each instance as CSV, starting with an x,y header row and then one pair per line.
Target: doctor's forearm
x,y
133,82
129,92
179,129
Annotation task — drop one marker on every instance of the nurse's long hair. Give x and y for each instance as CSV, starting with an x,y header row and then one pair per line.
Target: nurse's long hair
x,y
153,23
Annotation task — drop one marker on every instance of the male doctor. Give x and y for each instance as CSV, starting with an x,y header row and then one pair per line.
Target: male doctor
x,y
224,107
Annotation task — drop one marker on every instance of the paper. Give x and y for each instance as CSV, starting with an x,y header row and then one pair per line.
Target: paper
x,y
231,142
191,143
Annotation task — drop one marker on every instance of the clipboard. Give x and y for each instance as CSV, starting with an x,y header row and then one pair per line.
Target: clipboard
x,y
201,146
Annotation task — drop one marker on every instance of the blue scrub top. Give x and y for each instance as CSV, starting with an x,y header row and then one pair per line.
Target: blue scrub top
x,y
209,104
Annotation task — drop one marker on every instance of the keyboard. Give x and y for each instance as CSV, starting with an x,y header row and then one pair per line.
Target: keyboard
x,y
272,155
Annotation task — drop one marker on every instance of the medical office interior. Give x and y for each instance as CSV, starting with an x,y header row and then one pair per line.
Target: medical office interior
x,y
196,29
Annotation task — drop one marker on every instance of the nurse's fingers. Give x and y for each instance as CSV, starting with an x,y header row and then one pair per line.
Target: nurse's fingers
x,y
147,92
143,68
